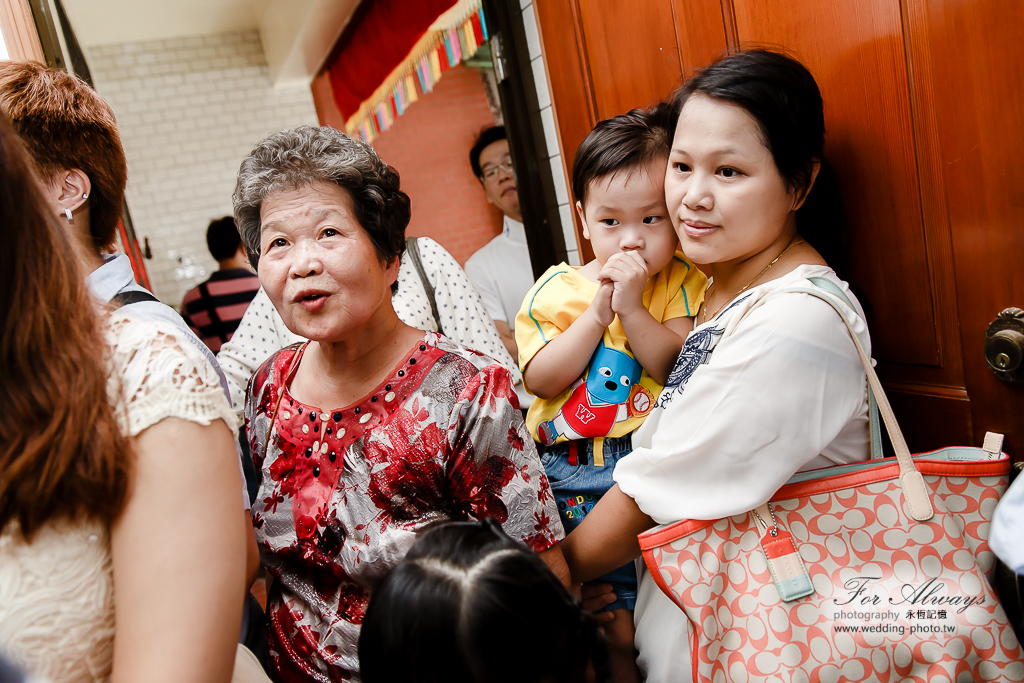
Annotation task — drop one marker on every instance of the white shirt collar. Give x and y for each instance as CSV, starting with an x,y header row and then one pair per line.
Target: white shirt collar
x,y
514,230
114,275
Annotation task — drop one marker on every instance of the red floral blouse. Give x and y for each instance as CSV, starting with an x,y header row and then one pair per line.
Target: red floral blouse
x,y
343,492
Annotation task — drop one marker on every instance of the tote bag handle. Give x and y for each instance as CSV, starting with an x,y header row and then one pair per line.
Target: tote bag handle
x,y
875,428
915,491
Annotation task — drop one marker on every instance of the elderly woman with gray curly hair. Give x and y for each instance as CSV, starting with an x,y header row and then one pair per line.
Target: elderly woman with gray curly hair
x,y
372,429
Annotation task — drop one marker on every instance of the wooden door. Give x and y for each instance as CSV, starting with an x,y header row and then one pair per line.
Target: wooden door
x,y
924,118
976,57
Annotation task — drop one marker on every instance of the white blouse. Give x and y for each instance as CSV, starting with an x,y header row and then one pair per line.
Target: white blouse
x,y
57,592
262,331
770,386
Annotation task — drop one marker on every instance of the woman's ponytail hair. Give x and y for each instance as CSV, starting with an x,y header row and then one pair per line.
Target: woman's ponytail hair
x,y
470,605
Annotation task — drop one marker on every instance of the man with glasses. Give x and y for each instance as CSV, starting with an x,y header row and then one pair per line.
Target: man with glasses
x,y
501,270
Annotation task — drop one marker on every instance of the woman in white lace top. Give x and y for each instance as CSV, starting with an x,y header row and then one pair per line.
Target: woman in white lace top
x,y
122,553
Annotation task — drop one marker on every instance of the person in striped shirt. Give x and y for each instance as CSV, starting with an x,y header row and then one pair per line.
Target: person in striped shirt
x,y
214,308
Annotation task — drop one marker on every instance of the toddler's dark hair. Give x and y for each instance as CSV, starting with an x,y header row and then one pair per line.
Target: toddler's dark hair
x,y
470,605
622,143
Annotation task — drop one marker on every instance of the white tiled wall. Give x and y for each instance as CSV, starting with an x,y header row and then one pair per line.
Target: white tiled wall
x,y
547,115
189,109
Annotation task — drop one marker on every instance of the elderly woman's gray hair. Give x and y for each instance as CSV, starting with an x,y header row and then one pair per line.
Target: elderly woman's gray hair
x,y
295,158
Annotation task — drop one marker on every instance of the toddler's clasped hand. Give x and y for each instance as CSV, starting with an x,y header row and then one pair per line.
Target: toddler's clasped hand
x,y
628,273
601,306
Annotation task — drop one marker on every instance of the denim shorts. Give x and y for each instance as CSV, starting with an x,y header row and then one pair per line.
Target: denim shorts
x,y
577,485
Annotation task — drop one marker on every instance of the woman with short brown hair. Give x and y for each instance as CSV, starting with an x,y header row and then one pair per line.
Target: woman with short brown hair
x,y
71,135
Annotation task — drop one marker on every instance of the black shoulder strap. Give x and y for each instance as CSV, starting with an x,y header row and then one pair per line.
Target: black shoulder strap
x,y
414,255
131,297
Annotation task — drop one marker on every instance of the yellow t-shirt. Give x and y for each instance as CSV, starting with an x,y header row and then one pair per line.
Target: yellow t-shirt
x,y
614,394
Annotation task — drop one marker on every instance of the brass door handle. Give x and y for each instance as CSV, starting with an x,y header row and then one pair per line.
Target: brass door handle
x,y
1004,345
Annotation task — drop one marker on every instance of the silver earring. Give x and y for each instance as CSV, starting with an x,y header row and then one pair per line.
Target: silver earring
x,y
85,195
67,212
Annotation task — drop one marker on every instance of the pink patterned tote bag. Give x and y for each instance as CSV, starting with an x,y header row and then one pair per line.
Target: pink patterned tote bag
x,y
870,572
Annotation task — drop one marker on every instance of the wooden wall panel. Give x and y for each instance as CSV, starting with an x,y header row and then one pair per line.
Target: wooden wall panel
x,y
568,73
924,118
931,417
700,32
979,106
603,58
856,53
572,97
631,51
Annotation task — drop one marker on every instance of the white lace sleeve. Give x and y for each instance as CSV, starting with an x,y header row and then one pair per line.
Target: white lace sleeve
x,y
157,373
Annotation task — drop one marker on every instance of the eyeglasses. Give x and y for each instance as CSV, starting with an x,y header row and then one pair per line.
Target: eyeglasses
x,y
491,174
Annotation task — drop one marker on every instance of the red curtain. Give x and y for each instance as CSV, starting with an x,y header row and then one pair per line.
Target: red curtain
x,y
378,38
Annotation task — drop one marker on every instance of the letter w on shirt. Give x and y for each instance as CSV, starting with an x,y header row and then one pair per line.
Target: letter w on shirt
x,y
584,415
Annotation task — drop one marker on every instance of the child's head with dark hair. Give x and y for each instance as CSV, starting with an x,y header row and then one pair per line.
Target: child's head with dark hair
x,y
470,605
618,177
622,144
222,238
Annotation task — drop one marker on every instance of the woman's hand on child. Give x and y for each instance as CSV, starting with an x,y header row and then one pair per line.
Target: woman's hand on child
x,y
597,596
601,306
628,271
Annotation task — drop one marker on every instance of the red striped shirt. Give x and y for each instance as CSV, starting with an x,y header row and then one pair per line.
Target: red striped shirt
x,y
214,308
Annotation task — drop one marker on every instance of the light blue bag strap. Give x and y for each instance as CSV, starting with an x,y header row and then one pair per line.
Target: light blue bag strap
x,y
875,422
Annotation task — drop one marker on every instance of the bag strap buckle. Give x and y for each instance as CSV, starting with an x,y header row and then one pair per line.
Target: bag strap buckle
x,y
774,528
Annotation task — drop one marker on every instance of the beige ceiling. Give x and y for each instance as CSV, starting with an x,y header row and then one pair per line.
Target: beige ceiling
x,y
297,35
101,22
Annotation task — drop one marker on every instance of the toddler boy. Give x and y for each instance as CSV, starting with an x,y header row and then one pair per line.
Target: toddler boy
x,y
596,343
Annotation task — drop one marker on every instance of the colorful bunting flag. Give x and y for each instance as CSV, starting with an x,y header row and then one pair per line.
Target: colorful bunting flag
x,y
447,48
471,41
477,29
457,45
435,64
410,88
460,34
419,75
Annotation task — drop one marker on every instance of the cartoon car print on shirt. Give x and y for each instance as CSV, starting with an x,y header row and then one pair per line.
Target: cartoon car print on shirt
x,y
608,393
